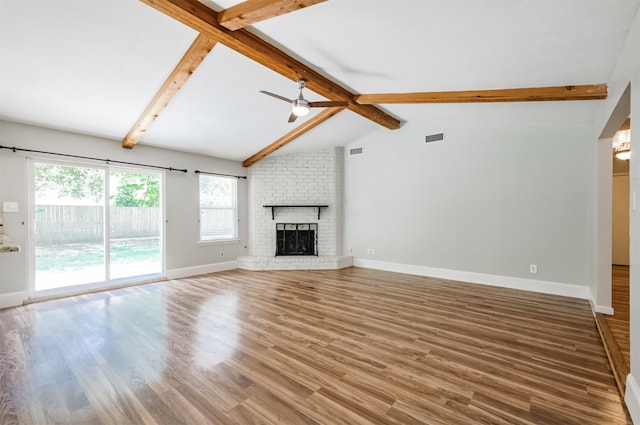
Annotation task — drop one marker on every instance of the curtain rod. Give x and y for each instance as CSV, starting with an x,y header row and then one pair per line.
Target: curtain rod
x,y
218,174
14,149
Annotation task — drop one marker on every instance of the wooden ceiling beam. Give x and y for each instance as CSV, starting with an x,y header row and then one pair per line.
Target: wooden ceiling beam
x,y
251,11
532,94
204,20
192,58
312,122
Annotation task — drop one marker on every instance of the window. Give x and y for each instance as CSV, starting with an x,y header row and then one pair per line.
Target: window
x,y
218,211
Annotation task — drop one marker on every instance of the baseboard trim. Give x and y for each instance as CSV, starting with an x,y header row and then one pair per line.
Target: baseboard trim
x,y
203,269
546,287
632,398
13,299
602,309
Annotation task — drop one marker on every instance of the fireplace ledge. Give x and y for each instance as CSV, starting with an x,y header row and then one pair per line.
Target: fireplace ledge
x,y
256,263
273,207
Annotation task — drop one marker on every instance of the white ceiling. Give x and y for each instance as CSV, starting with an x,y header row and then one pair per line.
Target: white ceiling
x,y
92,66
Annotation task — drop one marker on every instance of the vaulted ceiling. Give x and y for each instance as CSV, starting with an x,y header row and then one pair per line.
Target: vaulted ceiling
x,y
187,75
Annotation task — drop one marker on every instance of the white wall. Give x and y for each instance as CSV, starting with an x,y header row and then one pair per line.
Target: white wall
x,y
491,199
183,253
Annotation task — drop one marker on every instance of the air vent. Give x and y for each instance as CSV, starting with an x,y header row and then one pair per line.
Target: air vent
x,y
434,138
355,151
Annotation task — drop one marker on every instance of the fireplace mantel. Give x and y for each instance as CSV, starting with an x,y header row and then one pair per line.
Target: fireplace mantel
x,y
273,207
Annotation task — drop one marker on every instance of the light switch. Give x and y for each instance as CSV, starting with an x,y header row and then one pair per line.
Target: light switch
x,y
10,207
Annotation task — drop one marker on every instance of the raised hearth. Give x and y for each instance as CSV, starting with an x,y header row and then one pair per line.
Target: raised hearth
x,y
252,262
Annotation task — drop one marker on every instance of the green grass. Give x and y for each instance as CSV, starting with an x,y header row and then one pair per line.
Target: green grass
x,y
81,255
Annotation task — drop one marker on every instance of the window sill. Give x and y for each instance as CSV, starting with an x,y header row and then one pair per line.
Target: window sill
x,y
218,242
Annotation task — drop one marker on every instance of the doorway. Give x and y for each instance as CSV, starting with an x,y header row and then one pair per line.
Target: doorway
x,y
94,226
611,287
618,324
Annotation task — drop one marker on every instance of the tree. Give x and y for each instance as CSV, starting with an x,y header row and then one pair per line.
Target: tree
x,y
136,190
87,184
65,181
216,192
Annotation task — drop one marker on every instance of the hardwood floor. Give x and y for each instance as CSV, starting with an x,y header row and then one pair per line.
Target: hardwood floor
x,y
619,322
614,330
352,346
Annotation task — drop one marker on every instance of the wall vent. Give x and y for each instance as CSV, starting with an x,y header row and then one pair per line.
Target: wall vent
x,y
434,137
355,151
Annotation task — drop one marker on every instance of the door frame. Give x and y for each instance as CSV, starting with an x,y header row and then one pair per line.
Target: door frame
x,y
601,288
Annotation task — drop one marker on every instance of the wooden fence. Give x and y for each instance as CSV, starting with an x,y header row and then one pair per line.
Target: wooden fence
x,y
61,224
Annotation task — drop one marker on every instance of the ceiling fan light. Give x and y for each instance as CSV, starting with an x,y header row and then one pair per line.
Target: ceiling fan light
x,y
622,144
300,107
300,110
621,136
623,151
624,155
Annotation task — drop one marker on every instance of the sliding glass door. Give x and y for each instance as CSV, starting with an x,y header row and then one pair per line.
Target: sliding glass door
x,y
136,221
69,225
79,241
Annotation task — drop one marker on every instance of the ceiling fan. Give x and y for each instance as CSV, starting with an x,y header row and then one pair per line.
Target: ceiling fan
x,y
301,106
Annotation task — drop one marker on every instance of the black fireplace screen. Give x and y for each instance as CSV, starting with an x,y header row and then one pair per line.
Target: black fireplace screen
x,y
296,239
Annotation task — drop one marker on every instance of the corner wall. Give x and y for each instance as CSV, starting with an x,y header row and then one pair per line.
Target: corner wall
x,y
490,200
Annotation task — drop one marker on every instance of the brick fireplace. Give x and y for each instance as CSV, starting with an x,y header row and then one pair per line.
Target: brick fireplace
x,y
296,184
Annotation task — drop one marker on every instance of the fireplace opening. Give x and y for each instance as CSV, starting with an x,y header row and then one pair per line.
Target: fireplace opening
x,y
296,239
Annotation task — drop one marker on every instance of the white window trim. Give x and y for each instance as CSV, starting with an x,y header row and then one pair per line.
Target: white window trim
x,y
219,242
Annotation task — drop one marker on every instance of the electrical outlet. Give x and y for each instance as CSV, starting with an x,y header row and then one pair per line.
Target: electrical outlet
x,y
222,253
533,268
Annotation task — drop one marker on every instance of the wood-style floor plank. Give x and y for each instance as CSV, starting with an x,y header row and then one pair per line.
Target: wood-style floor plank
x,y
614,330
352,346
619,322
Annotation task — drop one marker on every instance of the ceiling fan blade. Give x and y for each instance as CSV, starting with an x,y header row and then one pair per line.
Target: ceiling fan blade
x,y
292,117
277,96
328,104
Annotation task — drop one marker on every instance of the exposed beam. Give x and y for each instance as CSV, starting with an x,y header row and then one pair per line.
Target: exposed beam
x,y
292,135
204,20
532,94
251,11
193,57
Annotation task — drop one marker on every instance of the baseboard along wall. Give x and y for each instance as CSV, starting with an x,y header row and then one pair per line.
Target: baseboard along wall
x,y
13,299
632,398
203,269
546,287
